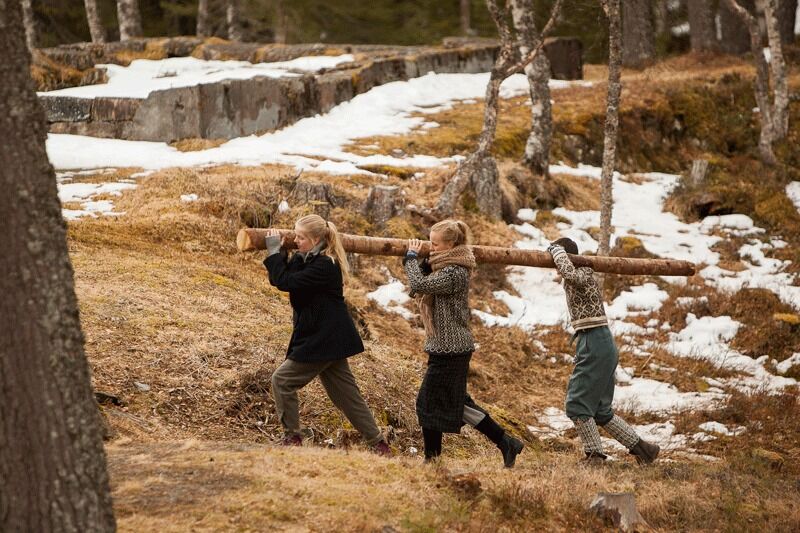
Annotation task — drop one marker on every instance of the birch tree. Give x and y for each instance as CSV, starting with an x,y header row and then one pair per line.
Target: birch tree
x,y
537,147
734,35
612,10
203,22
464,17
773,111
638,37
479,169
702,30
30,24
129,19
234,21
281,23
96,28
52,463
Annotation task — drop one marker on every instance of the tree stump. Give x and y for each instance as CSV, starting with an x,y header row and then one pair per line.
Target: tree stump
x,y
318,195
620,510
699,172
383,203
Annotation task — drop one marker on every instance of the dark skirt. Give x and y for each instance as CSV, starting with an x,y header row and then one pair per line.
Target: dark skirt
x,y
443,394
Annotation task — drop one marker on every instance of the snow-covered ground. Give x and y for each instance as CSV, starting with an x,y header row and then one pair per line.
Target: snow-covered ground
x,y
144,76
318,143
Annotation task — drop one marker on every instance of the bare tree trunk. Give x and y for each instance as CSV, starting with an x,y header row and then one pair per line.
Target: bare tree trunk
x,y
203,24
612,9
281,23
30,24
661,16
702,33
537,148
479,169
253,239
465,6
735,38
129,19
787,15
52,463
234,21
96,28
638,38
774,115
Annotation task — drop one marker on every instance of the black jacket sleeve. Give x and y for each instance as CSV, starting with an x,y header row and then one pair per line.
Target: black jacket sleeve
x,y
318,274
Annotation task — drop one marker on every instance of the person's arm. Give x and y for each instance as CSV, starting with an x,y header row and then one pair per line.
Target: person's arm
x,y
575,276
445,281
318,274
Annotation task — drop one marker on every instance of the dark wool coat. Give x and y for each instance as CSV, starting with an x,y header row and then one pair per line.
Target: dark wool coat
x,y
323,329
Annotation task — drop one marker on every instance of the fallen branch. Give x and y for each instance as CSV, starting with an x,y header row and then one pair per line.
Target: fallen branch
x,y
253,239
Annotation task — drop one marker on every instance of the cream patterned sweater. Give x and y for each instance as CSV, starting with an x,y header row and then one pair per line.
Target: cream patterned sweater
x,y
584,298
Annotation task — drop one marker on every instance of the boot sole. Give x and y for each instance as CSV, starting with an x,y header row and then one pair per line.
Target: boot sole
x,y
518,447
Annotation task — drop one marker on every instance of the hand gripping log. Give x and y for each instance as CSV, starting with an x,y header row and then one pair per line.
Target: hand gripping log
x,y
253,239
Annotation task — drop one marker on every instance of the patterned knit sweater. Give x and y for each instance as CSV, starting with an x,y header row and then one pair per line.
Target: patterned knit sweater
x,y
584,299
450,289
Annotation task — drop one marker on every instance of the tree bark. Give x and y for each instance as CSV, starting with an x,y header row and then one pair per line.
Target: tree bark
x,y
479,169
203,23
638,38
96,28
620,510
383,203
537,147
30,24
612,10
249,239
52,463
129,19
661,16
787,15
281,23
774,115
464,12
702,31
234,21
735,37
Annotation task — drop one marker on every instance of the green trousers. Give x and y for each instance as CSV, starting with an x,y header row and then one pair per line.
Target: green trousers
x,y
591,386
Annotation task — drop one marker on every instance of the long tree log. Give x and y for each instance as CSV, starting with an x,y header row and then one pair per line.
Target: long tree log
x,y
253,239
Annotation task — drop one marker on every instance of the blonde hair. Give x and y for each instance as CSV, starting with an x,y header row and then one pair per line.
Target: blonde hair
x,y
452,231
318,228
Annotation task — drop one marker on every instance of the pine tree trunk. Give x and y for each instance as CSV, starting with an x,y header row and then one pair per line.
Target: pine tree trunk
x,y
735,37
203,24
129,19
52,463
703,33
537,147
612,9
638,38
787,15
30,24
465,6
96,28
234,21
281,29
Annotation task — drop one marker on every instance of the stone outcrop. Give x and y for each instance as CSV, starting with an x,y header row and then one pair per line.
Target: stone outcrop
x,y
235,108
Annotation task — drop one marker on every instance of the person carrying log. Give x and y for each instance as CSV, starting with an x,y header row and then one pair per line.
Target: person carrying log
x,y
324,335
591,387
442,285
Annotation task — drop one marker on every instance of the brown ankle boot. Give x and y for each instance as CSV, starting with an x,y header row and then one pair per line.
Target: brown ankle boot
x,y
645,452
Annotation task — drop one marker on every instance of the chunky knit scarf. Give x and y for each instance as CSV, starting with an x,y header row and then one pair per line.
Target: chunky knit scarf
x,y
458,255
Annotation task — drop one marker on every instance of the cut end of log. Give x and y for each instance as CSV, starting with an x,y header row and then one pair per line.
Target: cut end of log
x,y
243,241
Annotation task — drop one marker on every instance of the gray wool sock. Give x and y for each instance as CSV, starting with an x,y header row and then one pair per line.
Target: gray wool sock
x,y
587,430
622,432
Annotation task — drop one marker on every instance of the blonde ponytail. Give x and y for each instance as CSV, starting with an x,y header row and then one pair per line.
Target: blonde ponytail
x,y
452,231
318,228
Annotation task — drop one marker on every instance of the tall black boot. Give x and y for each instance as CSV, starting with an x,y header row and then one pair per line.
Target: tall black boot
x,y
432,440
510,446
